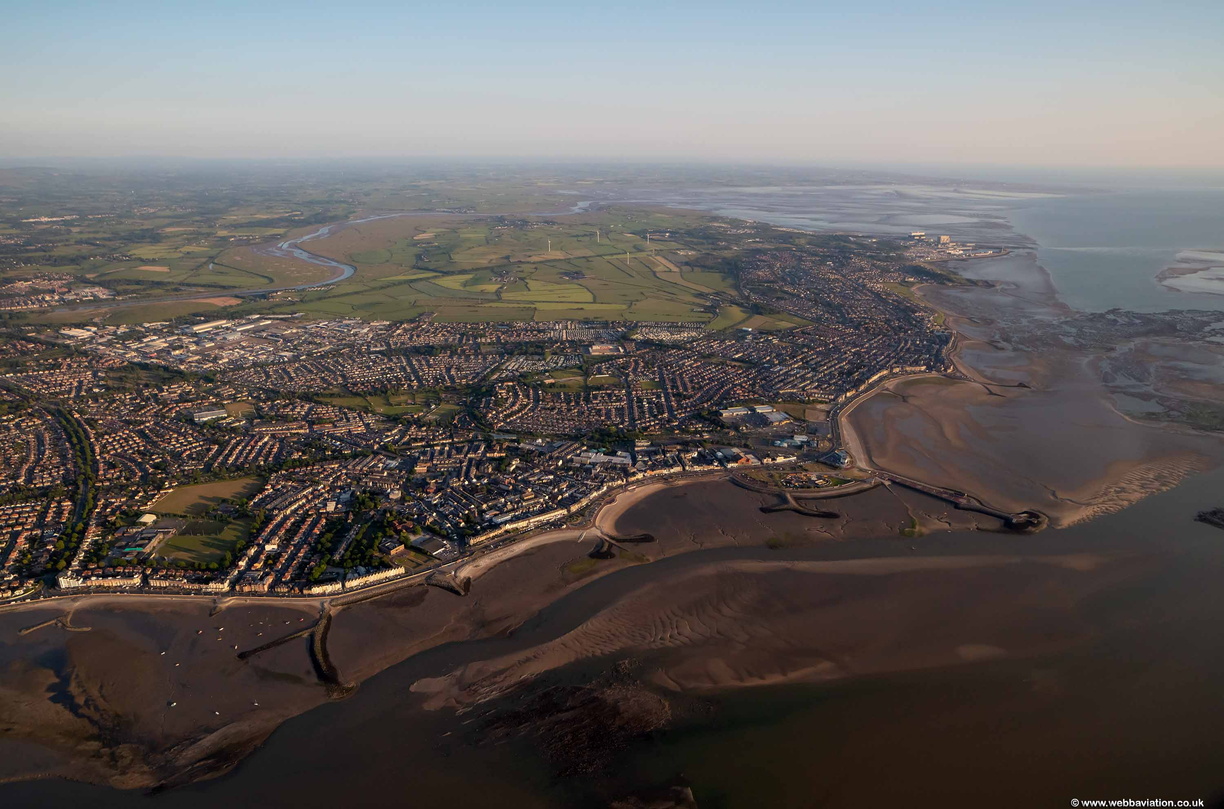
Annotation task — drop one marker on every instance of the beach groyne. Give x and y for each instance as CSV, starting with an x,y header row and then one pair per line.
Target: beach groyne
x,y
324,668
633,539
272,644
789,503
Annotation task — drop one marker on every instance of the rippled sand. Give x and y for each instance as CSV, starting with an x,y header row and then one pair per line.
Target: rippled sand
x,y
758,623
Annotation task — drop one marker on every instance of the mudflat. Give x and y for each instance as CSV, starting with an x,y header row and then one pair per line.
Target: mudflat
x,y
151,690
1025,429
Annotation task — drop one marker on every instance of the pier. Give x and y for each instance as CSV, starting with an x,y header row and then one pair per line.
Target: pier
x,y
1025,522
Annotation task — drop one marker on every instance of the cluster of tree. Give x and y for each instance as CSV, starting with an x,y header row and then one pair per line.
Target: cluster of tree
x,y
364,501
82,452
21,493
611,436
158,563
363,550
323,547
927,273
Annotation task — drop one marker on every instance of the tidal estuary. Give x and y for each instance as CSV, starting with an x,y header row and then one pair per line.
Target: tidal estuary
x,y
756,659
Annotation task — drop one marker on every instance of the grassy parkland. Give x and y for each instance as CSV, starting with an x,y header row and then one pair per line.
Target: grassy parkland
x,y
202,498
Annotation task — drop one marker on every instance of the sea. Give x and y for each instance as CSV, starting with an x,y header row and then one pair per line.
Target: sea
x,y
1104,238
1104,250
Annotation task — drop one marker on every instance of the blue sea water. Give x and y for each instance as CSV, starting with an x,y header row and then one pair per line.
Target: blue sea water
x,y
1104,237
1104,250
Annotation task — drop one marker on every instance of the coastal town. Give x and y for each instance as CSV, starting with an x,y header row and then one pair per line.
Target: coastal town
x,y
289,454
536,405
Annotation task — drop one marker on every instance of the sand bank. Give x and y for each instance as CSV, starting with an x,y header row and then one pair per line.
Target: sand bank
x,y
1195,271
752,623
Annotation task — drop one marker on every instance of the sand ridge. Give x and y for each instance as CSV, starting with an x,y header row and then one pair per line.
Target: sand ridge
x,y
754,623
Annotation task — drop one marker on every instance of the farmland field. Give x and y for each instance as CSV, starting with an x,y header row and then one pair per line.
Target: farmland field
x,y
616,264
488,269
159,238
716,281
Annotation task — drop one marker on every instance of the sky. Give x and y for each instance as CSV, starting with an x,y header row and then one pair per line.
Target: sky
x,y
1134,83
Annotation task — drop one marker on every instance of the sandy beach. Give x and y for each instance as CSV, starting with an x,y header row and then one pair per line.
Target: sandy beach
x,y
131,716
727,599
753,623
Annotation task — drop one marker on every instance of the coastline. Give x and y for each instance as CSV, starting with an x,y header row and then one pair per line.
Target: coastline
x,y
490,548
145,686
1009,432
737,614
518,582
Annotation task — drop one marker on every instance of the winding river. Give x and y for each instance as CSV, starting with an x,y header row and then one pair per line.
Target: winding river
x,y
292,249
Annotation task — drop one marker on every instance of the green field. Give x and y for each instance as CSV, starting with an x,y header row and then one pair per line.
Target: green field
x,y
443,413
152,236
711,280
387,404
167,251
597,381
239,409
485,270
198,499
774,322
204,541
500,263
904,290
729,317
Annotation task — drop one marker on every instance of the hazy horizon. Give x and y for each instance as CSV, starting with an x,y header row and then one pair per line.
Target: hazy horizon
x,y
1046,85
741,173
